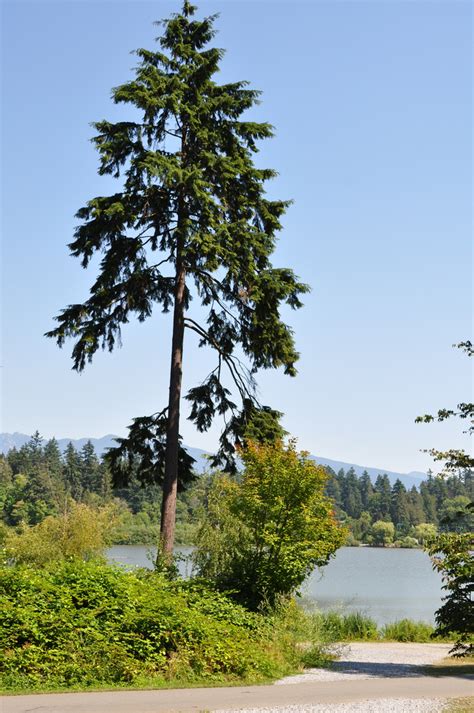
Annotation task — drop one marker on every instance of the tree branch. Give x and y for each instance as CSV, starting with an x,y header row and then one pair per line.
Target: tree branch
x,y
232,363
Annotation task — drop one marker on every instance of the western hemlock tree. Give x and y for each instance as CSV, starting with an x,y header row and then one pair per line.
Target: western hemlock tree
x,y
192,220
73,472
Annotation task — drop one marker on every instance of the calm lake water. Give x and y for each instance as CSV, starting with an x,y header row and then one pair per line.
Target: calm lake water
x,y
387,584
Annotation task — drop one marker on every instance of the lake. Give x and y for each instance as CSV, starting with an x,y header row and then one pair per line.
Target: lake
x,y
387,584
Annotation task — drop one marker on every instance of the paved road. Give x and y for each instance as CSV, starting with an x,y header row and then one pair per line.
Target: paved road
x,y
208,699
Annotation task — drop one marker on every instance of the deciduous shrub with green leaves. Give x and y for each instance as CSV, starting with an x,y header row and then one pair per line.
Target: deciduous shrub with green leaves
x,y
80,531
264,533
452,555
76,624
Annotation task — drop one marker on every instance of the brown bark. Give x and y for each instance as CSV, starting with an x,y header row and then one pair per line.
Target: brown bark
x,y
170,484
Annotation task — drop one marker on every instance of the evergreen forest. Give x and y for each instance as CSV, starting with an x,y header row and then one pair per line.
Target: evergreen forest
x,y
38,480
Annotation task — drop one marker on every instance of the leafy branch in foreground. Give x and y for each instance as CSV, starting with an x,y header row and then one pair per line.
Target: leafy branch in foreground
x,y
452,553
454,459
452,556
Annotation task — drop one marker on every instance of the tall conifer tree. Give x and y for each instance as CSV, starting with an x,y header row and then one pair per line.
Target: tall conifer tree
x,y
191,220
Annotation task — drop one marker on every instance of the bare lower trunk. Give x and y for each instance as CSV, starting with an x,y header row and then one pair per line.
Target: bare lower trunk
x,y
170,484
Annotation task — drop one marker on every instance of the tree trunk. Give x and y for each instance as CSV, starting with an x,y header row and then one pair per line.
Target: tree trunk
x,y
170,484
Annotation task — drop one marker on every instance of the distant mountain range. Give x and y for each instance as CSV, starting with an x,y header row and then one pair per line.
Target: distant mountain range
x,y
16,440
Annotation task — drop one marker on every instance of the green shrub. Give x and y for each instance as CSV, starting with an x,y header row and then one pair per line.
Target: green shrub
x,y
452,555
84,624
263,535
407,630
382,533
80,531
408,542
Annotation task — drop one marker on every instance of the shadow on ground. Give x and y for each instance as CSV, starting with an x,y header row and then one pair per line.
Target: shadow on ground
x,y
399,670
383,669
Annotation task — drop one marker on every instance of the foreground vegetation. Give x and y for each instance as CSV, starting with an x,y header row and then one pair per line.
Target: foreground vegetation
x,y
73,621
85,624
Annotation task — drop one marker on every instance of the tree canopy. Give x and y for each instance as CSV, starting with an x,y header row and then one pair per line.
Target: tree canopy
x,y
192,222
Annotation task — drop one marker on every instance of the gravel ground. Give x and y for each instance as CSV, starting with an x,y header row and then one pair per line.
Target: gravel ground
x,y
374,660
364,661
380,705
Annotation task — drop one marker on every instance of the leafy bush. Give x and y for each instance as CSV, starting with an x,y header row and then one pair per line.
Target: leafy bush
x,y
81,531
453,555
408,542
135,529
382,533
263,535
408,630
83,624
424,532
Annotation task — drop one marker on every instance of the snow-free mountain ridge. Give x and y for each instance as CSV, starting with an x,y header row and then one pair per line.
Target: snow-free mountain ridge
x,y
16,440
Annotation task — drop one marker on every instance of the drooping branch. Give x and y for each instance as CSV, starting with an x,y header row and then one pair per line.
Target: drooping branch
x,y
245,385
143,453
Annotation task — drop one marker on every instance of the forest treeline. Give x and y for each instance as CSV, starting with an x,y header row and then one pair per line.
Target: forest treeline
x,y
38,480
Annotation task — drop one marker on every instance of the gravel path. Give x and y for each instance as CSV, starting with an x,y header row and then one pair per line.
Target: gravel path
x,y
373,660
379,705
368,661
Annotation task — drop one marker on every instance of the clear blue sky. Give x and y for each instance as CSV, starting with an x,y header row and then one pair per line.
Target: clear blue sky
x,y
372,107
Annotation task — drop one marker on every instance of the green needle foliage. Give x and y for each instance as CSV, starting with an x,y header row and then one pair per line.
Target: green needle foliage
x,y
191,220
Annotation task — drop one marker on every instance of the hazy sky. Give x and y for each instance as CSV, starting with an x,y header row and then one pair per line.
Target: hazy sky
x,y
372,107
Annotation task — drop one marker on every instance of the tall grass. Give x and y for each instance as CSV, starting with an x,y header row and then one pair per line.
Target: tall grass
x,y
334,626
408,630
356,626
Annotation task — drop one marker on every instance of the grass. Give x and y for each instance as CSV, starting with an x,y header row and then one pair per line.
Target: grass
x,y
407,630
334,626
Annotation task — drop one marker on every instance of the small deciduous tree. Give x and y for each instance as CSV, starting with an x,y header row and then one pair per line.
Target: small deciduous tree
x,y
192,220
424,532
452,553
455,460
452,556
382,533
264,533
79,532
